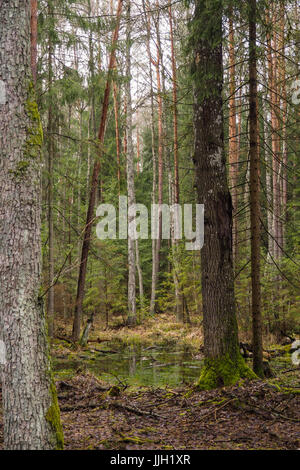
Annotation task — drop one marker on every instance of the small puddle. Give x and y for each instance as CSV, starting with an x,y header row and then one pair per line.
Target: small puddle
x,y
134,365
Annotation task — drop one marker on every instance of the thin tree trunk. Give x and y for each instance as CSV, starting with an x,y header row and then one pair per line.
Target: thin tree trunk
x,y
140,274
30,407
94,186
275,102
50,141
130,176
154,159
160,172
271,244
115,94
254,197
233,138
178,295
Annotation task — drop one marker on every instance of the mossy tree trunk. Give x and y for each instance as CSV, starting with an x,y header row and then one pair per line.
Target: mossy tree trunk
x,y
30,408
224,364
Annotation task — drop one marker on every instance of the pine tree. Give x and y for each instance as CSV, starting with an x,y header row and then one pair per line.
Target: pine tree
x,y
30,407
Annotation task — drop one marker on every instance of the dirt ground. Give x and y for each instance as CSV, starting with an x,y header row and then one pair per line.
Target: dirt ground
x,y
253,415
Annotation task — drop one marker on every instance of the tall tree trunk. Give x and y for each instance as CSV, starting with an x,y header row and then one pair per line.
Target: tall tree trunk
x,y
94,186
130,175
154,157
50,148
275,106
160,171
30,407
116,107
176,265
223,362
269,180
233,138
254,196
283,107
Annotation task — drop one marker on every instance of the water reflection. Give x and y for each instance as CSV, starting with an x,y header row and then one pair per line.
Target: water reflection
x,y
136,365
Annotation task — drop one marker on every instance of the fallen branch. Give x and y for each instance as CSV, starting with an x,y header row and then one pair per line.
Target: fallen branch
x,y
137,411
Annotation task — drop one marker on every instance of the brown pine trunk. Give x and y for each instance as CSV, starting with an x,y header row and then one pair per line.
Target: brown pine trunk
x,y
178,294
254,197
94,186
233,138
115,94
269,180
275,103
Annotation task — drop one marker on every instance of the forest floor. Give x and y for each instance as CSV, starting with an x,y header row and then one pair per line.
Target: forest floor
x,y
97,414
253,415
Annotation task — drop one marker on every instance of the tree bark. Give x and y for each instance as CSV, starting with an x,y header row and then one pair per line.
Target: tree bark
x,y
176,263
156,263
130,176
223,362
50,148
154,157
254,197
30,408
233,138
33,38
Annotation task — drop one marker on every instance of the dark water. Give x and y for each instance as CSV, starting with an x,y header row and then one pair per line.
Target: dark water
x,y
142,366
137,366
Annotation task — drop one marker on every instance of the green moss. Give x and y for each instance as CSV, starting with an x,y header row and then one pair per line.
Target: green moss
x,y
20,169
222,372
114,391
34,135
53,417
34,131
